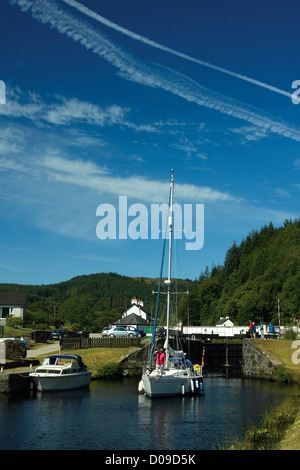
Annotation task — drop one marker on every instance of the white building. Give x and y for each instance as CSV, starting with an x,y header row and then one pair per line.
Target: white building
x,y
13,304
137,308
224,322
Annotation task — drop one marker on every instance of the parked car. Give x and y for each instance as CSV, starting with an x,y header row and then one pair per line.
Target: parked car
x,y
105,330
121,331
139,333
55,334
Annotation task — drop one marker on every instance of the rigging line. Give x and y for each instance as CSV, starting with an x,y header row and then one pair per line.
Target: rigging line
x,y
158,294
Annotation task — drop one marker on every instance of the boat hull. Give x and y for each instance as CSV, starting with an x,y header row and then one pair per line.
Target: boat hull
x,y
170,385
44,383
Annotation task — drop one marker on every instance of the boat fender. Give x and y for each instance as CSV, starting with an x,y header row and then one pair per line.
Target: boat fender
x,y
141,387
197,368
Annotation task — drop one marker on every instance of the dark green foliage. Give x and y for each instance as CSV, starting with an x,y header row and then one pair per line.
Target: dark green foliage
x,y
265,264
110,371
91,301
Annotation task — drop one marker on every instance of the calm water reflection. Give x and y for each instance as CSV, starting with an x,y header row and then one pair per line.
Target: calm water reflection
x,y
112,416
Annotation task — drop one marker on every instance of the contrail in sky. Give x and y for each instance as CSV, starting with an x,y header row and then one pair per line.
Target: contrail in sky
x,y
149,42
155,76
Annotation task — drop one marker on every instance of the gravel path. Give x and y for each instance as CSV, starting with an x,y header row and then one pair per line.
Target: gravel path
x,y
47,349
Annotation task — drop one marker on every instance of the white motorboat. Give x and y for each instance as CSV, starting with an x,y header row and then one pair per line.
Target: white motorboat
x,y
178,376
61,372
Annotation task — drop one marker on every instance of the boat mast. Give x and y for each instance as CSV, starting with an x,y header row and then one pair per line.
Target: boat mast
x,y
168,281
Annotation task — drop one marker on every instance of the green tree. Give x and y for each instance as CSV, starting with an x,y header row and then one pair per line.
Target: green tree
x,y
80,309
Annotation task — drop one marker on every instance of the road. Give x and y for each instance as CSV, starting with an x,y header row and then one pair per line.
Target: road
x,y
47,349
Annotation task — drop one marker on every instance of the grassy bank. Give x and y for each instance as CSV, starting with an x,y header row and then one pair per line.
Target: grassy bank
x,y
278,430
103,362
280,427
284,351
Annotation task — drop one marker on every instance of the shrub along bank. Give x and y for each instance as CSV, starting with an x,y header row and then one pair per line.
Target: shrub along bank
x,y
280,427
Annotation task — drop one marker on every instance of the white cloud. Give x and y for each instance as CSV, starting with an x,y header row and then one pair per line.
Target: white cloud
x,y
60,111
161,47
11,141
72,110
297,164
154,75
251,133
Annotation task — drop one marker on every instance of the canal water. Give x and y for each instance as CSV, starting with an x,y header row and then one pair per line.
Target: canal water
x,y
111,415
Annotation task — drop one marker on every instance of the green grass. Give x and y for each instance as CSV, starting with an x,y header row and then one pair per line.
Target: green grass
x,y
279,423
283,350
8,331
291,440
102,362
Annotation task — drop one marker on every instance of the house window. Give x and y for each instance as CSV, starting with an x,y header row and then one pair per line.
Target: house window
x,y
5,311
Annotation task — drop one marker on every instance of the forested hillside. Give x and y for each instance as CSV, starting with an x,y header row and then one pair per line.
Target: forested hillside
x,y
89,301
246,286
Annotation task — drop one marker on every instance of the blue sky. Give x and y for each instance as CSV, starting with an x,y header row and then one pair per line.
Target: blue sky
x,y
104,98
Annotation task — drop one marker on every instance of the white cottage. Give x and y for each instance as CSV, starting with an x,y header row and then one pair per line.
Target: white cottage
x,y
224,322
13,304
137,308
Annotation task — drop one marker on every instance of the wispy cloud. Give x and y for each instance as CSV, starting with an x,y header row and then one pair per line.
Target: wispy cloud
x,y
89,175
95,16
102,181
189,148
10,268
250,133
154,75
297,164
60,111
61,194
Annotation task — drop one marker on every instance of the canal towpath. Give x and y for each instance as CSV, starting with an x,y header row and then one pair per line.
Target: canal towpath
x,y
46,349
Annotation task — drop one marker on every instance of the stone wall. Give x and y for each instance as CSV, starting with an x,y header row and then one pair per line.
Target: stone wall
x,y
257,363
133,363
14,382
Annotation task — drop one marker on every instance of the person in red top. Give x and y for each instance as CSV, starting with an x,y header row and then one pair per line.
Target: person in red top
x,y
160,360
251,329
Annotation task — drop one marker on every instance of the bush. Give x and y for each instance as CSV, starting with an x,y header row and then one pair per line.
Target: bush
x,y
13,350
290,334
283,375
110,371
14,322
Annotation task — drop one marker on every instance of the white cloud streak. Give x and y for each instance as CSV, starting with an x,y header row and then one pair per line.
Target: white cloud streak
x,y
95,16
100,180
48,12
62,112
88,175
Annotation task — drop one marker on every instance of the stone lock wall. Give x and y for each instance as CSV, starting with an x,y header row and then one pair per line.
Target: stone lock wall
x,y
256,363
133,363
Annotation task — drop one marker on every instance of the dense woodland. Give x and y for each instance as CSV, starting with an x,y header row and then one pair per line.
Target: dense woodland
x,y
266,263
246,286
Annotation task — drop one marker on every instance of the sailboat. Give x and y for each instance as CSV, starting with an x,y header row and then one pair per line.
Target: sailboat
x,y
178,375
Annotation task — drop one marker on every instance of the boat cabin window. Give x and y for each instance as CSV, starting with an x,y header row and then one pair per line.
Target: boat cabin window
x,y
49,371
61,361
